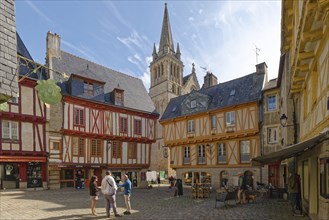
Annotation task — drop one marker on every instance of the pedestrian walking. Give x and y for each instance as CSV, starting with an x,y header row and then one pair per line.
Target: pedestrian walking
x,y
242,188
93,191
79,182
127,193
109,188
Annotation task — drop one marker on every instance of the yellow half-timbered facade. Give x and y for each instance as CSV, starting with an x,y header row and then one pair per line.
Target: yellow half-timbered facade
x,y
305,91
214,132
307,42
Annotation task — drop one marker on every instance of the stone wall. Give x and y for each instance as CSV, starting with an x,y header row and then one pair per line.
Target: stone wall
x,y
8,50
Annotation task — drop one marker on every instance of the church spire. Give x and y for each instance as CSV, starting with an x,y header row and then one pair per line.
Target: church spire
x,y
178,54
166,41
154,54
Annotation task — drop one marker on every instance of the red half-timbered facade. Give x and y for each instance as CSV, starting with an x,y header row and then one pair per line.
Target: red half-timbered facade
x,y
23,151
107,122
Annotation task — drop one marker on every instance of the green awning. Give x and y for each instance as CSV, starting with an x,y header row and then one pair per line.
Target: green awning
x,y
293,150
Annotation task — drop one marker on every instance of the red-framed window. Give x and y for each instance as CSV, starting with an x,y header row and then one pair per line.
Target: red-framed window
x,y
78,146
119,97
123,125
96,148
88,88
116,149
138,126
79,117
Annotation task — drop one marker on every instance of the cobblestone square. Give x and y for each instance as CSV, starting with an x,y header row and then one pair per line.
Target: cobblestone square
x,y
155,203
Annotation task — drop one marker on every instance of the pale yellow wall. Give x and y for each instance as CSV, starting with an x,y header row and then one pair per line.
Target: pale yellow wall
x,y
246,120
27,136
232,152
27,107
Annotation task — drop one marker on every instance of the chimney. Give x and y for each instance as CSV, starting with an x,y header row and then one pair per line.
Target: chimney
x,y
261,68
53,45
209,80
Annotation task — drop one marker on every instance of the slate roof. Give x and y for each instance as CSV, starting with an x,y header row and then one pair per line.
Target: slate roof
x,y
247,89
23,68
135,94
185,78
270,84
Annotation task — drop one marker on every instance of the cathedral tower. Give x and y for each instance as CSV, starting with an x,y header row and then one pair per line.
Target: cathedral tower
x,y
166,70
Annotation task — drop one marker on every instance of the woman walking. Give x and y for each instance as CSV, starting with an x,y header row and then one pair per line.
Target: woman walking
x,y
93,190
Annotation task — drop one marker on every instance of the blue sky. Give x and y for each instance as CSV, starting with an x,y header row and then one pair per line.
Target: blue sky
x,y
218,35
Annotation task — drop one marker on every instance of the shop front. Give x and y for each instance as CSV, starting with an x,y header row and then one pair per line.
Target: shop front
x,y
22,172
78,176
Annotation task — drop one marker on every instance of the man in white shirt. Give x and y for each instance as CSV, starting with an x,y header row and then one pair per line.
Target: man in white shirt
x,y
109,188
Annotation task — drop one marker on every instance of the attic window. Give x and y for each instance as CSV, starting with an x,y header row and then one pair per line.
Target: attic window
x,y
174,109
193,104
119,97
88,88
232,93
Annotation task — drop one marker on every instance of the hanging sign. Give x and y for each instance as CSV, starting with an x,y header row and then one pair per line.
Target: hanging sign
x,y
48,91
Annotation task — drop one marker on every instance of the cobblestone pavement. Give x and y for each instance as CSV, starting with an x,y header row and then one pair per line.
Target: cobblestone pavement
x,y
155,203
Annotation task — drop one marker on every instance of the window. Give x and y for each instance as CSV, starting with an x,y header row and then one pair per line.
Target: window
x,y
245,151
10,130
230,118
201,154
123,125
213,121
88,88
96,148
116,149
56,145
13,100
79,119
324,177
137,127
190,126
186,155
118,97
78,146
132,151
193,104
272,135
221,153
271,103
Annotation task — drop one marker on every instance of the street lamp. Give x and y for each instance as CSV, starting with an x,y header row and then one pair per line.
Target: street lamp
x,y
283,121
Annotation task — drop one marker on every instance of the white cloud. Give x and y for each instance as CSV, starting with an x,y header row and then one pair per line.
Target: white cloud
x,y
85,52
39,12
226,43
200,11
191,19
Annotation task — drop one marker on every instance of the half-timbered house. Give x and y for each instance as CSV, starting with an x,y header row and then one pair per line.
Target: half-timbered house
x,y
214,132
305,84
106,121
23,153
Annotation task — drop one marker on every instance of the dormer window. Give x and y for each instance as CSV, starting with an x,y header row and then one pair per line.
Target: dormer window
x,y
88,88
193,104
118,96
